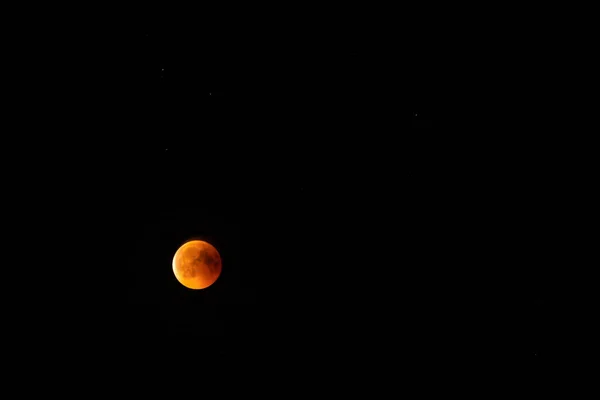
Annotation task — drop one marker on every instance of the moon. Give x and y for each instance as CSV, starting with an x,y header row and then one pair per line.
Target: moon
x,y
197,264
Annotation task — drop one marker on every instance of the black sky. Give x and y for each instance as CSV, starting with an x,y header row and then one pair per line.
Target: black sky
x,y
348,213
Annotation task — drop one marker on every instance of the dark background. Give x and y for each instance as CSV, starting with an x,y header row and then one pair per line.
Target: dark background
x,y
358,213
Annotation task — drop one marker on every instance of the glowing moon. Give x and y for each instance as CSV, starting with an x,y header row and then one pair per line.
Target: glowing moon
x,y
197,264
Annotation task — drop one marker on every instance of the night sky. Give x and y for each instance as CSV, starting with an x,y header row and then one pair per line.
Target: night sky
x,y
348,215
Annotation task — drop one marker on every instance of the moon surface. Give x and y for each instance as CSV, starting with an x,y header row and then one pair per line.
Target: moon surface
x,y
197,264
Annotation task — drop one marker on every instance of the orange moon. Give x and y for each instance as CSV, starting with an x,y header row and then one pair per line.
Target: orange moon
x,y
197,264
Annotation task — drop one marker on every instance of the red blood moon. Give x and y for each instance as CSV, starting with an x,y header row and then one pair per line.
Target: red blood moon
x,y
197,264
